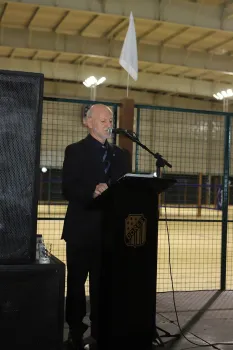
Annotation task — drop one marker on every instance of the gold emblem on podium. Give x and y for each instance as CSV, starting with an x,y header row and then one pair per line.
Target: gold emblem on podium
x,y
135,230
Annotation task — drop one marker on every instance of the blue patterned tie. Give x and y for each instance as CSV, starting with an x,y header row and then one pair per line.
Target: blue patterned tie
x,y
105,161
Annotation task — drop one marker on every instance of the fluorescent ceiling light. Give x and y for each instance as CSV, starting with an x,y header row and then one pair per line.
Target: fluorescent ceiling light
x,y
92,81
223,94
101,80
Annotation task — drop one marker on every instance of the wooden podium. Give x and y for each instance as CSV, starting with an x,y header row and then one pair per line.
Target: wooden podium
x,y
129,262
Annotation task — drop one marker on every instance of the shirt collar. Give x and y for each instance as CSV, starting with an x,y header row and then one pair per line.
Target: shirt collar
x,y
97,144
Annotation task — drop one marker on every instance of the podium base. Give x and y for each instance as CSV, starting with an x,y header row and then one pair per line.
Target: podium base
x,y
158,338
123,346
133,342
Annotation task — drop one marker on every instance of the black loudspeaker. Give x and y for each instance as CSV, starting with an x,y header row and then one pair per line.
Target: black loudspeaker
x,y
21,96
32,306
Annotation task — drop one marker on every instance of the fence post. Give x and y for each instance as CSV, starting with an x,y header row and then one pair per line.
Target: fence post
x,y
126,121
115,120
199,199
226,155
137,146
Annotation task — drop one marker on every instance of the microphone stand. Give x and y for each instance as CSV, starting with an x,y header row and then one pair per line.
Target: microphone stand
x,y
160,163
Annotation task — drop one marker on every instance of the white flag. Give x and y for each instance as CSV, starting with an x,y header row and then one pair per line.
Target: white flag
x,y
129,53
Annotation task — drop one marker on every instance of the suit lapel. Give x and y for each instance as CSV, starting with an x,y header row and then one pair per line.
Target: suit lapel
x,y
114,169
95,161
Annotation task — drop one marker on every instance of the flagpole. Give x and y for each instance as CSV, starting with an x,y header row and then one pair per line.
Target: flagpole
x,y
128,86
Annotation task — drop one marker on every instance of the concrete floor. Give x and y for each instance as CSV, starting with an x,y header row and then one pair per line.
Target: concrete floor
x,y
204,317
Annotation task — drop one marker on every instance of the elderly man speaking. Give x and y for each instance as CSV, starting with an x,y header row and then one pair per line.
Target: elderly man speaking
x,y
90,166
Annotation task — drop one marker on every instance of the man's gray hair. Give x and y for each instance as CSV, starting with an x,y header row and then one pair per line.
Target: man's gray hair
x,y
88,114
90,110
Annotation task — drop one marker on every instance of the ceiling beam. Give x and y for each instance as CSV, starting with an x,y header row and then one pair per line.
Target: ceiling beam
x,y
57,26
103,48
35,12
149,31
79,91
176,11
115,77
202,37
3,8
92,20
116,29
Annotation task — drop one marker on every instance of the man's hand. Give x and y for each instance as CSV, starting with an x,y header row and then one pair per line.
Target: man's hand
x,y
100,188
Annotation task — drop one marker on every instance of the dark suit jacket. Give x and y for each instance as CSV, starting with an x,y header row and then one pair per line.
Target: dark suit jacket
x,y
83,169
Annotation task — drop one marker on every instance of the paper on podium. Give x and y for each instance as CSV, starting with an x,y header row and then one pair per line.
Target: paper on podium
x,y
149,176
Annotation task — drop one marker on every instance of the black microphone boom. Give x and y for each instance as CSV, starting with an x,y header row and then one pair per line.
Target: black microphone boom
x,y
119,131
161,162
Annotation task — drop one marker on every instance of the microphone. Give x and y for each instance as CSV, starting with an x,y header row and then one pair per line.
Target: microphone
x,y
119,131
161,162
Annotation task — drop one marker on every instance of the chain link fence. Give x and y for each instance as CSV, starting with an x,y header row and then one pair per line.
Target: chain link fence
x,y
198,209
